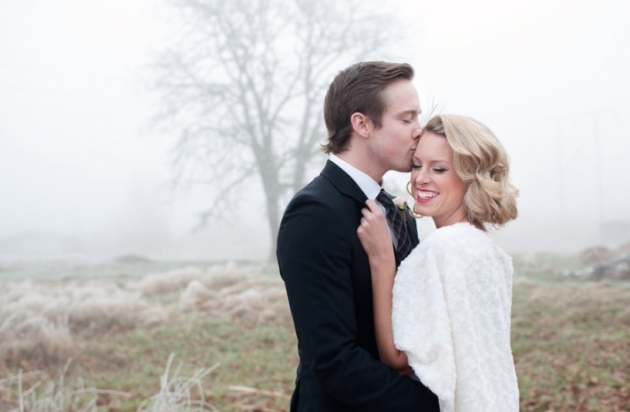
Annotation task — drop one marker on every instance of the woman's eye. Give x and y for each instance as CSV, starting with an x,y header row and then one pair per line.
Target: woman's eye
x,y
440,170
415,166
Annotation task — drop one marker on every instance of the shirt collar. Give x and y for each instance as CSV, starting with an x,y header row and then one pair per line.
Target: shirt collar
x,y
365,182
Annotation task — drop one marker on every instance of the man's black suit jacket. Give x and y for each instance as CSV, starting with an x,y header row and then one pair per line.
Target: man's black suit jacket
x,y
327,277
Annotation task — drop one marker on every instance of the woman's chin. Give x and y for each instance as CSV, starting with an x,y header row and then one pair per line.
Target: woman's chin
x,y
423,211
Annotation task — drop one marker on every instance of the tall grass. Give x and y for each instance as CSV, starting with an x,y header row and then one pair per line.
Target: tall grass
x,y
35,392
570,339
40,318
179,393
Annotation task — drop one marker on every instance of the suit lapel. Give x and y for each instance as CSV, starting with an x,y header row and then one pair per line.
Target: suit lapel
x,y
346,185
343,182
412,228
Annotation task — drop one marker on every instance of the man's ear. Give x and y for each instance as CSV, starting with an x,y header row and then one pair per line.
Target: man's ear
x,y
361,124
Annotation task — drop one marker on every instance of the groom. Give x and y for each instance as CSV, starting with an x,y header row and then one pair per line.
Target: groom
x,y
371,112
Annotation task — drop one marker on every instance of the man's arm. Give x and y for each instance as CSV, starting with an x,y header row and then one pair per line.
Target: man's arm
x,y
314,254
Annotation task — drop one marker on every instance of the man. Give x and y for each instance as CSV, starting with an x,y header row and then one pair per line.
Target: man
x,y
371,112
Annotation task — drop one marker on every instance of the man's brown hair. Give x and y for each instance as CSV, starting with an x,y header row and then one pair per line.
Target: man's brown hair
x,y
358,89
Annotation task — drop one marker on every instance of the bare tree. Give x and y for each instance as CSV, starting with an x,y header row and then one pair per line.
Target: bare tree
x,y
244,86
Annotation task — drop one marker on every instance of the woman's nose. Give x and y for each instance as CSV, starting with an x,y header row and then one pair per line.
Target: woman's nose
x,y
422,177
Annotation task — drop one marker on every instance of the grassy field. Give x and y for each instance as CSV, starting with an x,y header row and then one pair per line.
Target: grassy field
x,y
570,339
571,343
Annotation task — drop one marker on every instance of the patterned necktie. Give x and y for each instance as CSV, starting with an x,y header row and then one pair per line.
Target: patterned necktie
x,y
396,224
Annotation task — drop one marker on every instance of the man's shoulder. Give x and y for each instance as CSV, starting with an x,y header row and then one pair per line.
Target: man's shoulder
x,y
312,219
320,202
332,193
319,190
318,185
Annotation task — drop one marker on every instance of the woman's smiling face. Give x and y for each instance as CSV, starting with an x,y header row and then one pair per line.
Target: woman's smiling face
x,y
438,190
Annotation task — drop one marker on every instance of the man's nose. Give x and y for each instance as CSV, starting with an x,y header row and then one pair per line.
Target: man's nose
x,y
417,132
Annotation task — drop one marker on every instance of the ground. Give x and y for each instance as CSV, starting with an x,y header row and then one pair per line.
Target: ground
x,y
570,339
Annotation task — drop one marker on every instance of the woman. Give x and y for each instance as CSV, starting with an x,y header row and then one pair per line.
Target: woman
x,y
447,312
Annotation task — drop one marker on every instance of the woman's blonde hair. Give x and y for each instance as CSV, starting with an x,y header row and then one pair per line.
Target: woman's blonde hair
x,y
481,162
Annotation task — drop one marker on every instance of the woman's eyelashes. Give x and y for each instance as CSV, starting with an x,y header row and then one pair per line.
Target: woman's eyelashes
x,y
435,169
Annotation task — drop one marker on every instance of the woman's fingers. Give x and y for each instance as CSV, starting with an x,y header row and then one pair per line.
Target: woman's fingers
x,y
373,233
372,212
371,204
373,225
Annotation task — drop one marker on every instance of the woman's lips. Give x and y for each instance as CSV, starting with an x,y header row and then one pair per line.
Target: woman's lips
x,y
425,196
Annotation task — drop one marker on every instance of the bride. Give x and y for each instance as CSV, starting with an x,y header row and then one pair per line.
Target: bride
x,y
446,312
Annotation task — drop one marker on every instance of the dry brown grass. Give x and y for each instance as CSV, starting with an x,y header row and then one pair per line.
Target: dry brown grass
x,y
571,339
571,344
39,319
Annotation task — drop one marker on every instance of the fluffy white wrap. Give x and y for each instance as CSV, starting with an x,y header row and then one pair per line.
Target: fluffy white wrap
x,y
451,315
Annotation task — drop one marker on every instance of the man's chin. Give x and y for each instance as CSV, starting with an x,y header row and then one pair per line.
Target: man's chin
x,y
405,169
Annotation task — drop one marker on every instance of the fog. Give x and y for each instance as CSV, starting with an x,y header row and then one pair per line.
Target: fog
x,y
83,173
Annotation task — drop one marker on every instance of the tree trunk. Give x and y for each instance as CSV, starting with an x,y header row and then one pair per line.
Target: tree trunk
x,y
274,225
271,185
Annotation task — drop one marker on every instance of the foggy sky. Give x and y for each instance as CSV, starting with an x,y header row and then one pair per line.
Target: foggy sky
x,y
78,158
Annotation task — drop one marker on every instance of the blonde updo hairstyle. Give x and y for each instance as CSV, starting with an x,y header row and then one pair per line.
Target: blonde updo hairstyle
x,y
481,162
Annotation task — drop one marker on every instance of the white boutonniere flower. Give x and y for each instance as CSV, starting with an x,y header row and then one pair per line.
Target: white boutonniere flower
x,y
400,202
401,205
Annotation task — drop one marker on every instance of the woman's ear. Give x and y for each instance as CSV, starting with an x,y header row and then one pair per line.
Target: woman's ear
x,y
361,124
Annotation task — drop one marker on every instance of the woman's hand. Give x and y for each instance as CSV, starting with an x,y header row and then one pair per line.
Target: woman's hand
x,y
374,235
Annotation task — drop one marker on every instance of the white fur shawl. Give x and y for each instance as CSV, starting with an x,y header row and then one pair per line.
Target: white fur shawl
x,y
451,315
